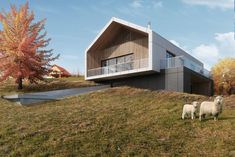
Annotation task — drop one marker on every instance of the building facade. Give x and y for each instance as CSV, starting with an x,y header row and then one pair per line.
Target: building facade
x,y
127,54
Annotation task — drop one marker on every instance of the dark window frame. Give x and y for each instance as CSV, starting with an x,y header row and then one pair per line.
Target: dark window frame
x,y
169,54
105,60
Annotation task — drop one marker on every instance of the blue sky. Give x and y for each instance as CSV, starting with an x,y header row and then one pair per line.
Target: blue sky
x,y
204,28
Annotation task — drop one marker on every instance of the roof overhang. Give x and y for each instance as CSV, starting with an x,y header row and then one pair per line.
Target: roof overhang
x,y
118,22
111,28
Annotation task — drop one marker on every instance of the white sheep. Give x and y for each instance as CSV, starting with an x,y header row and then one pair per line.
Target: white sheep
x,y
213,108
190,109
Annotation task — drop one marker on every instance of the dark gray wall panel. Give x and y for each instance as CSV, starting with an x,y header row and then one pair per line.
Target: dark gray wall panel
x,y
175,79
196,83
151,81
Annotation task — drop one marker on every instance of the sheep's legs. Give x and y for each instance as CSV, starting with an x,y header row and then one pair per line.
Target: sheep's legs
x,y
216,117
201,117
192,115
183,115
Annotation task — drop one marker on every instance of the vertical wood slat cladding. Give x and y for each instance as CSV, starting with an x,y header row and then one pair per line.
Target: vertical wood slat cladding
x,y
126,42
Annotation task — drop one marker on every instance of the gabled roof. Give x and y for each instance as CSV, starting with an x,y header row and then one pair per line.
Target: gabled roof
x,y
111,29
64,71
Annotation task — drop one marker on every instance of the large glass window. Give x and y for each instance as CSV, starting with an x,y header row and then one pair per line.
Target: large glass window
x,y
128,58
104,68
104,63
129,61
112,61
118,64
120,60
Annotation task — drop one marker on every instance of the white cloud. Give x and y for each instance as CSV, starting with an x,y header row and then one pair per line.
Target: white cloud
x,y
226,43
136,3
148,4
224,46
206,51
209,53
223,4
138,8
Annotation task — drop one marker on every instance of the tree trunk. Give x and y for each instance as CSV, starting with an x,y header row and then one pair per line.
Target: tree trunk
x,y
20,83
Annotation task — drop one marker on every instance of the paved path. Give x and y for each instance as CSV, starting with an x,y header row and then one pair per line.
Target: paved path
x,y
32,98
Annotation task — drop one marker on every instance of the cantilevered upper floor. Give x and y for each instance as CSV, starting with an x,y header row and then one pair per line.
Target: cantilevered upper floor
x,y
123,49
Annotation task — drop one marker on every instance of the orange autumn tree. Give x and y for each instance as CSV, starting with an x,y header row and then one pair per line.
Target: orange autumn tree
x,y
223,74
22,46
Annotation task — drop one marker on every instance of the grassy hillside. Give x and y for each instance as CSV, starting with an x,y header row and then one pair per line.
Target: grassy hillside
x,y
9,86
115,122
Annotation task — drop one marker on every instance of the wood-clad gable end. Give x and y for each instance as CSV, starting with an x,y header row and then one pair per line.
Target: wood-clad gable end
x,y
117,41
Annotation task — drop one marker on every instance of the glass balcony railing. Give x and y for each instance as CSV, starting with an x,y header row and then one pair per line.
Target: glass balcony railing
x,y
180,61
167,63
111,69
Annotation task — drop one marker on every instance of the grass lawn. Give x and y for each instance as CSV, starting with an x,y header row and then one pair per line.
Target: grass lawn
x,y
9,86
115,122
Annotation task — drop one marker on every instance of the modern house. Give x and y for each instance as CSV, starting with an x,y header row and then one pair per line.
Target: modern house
x,y
127,54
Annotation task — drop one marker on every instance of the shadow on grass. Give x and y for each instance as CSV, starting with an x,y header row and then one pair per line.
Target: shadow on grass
x,y
226,118
206,119
219,119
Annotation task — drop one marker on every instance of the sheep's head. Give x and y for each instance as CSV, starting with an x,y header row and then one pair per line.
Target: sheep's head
x,y
218,100
195,104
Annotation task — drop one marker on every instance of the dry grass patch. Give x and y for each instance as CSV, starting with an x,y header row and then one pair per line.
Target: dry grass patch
x,y
114,122
9,86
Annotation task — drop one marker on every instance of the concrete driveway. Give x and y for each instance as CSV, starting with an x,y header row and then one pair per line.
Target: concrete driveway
x,y
32,98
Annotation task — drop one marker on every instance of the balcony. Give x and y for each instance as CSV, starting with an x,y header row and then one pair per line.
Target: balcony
x,y
181,61
119,68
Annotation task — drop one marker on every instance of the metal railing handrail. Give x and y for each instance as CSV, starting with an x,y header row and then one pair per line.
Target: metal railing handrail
x,y
180,61
120,67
